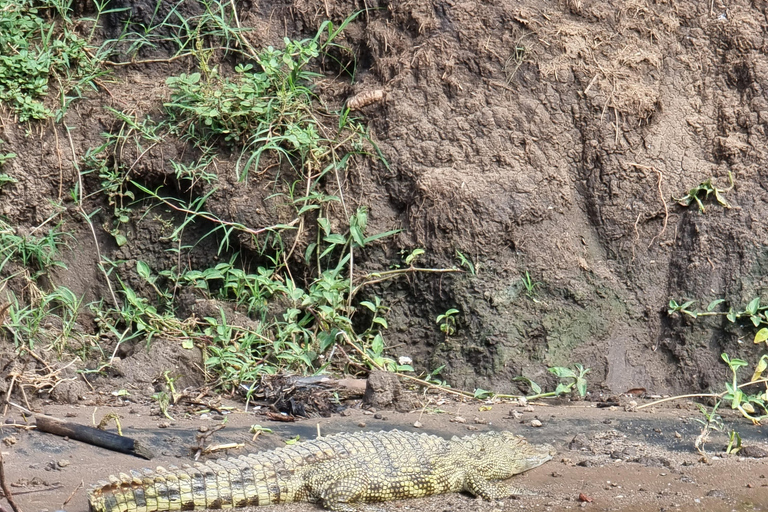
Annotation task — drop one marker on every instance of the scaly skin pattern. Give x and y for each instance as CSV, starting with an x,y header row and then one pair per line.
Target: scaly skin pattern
x,y
336,471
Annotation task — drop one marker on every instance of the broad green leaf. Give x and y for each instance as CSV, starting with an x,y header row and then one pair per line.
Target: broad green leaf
x,y
534,387
413,256
381,321
335,238
325,225
762,364
377,345
562,372
753,306
481,393
310,250
762,335
712,305
581,386
368,305
357,235
143,270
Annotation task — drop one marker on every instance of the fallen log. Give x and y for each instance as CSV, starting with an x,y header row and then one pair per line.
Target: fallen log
x,y
92,436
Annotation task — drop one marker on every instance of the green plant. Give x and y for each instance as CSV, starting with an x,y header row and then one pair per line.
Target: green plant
x,y
447,322
465,262
530,285
755,312
32,252
267,107
572,379
4,178
708,189
711,422
746,404
36,49
734,443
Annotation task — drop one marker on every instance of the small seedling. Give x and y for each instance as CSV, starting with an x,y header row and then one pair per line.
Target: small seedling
x,y
575,379
447,322
712,421
734,443
707,189
675,307
530,285
465,262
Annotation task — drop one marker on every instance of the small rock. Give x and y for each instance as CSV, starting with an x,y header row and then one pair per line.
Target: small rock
x,y
528,409
716,493
678,435
631,406
10,440
586,463
515,414
361,424
378,416
754,451
417,424
555,474
458,419
218,417
163,424
367,413
535,423
522,401
62,463
346,412
480,421
580,442
629,451
10,421
472,428
202,428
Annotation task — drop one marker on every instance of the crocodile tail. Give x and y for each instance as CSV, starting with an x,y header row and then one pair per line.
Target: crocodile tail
x,y
214,485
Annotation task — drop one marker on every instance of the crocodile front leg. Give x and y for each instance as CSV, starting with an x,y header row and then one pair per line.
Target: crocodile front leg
x,y
484,488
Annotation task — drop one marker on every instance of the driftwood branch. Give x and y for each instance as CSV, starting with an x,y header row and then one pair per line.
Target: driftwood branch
x,y
92,436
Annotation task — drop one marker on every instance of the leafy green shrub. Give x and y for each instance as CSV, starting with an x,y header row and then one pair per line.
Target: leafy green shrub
x,y
32,51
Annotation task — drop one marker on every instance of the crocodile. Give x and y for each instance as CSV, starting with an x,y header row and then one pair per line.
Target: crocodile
x,y
337,471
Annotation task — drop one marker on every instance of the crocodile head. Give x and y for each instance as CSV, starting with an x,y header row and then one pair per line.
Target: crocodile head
x,y
500,455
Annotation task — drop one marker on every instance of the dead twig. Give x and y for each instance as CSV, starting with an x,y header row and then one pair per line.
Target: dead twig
x,y
6,489
73,494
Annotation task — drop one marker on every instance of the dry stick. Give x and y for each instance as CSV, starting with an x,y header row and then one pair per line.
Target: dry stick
x,y
6,490
701,395
224,222
389,274
58,156
8,394
73,494
87,219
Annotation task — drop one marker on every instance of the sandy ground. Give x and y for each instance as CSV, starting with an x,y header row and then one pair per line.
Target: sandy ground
x,y
629,461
